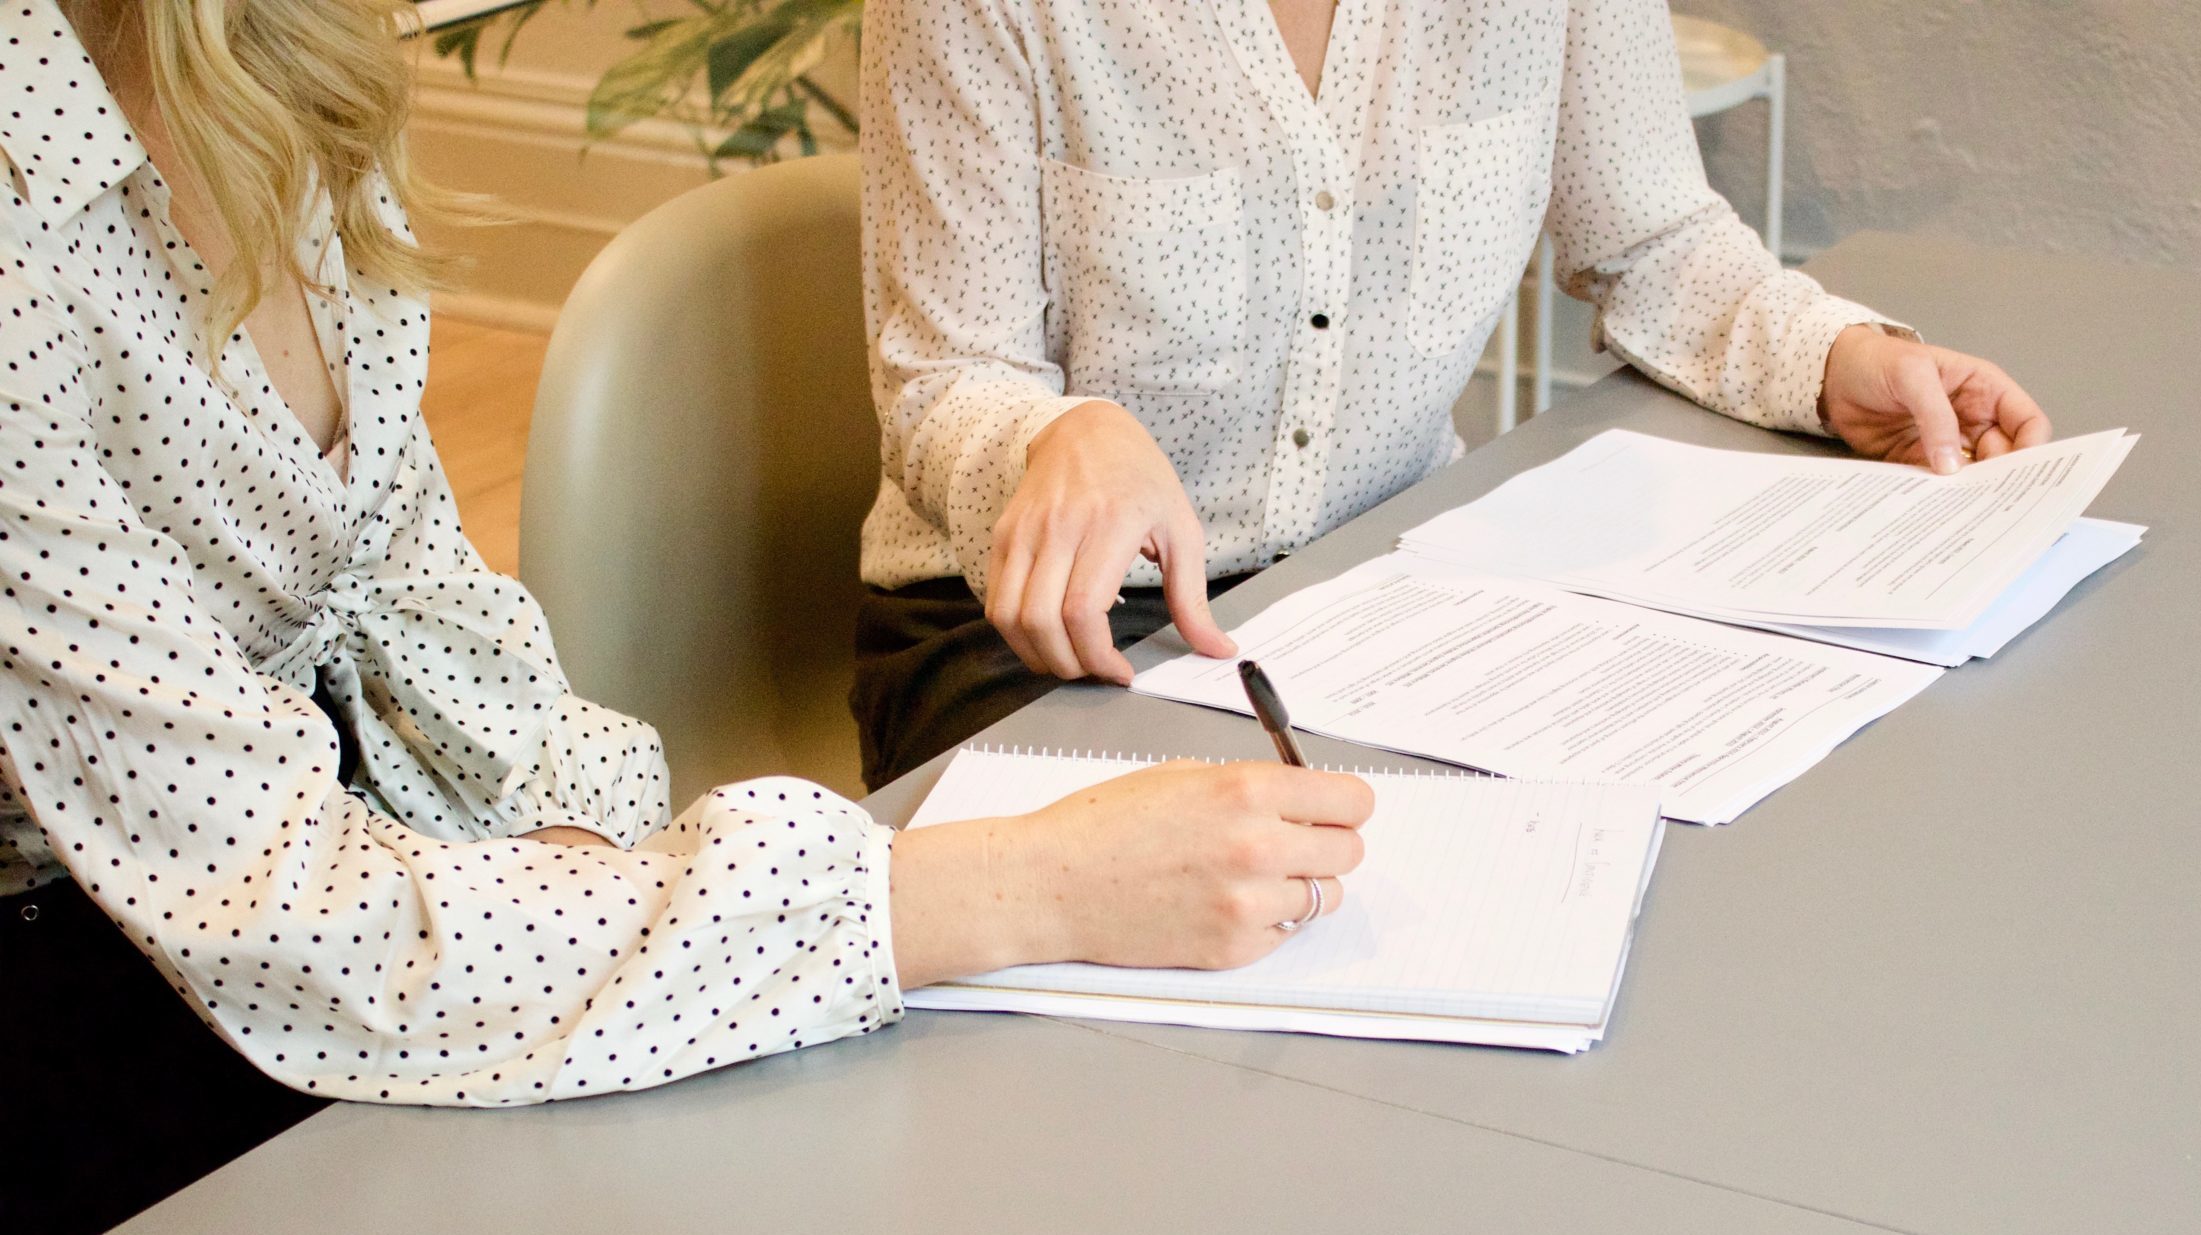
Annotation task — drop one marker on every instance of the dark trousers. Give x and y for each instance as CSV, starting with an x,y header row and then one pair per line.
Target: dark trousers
x,y
114,1094
931,670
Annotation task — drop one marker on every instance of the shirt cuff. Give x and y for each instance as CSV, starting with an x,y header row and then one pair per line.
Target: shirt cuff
x,y
1803,364
877,891
596,770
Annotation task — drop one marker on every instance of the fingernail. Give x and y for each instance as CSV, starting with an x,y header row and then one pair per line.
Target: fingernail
x,y
1947,459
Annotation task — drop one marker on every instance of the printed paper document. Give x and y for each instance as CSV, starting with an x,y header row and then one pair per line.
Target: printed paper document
x,y
2090,545
1751,537
1522,678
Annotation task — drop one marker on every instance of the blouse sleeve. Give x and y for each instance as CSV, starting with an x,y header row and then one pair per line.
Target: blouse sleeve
x,y
195,800
447,673
954,282
1684,289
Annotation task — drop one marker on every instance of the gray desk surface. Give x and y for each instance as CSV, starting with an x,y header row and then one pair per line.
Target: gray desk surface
x,y
1941,983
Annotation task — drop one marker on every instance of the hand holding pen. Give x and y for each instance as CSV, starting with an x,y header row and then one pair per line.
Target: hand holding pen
x,y
1268,708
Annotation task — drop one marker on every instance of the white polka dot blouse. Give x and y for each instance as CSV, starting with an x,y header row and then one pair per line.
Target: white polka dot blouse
x,y
1142,202
180,568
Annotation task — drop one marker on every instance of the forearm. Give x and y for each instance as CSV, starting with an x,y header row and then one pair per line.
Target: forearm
x,y
1703,309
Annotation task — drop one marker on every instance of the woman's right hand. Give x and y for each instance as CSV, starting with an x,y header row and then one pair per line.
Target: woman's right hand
x,y
1185,865
1097,494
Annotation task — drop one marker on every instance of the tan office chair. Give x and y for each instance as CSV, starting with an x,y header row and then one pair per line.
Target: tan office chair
x,y
702,455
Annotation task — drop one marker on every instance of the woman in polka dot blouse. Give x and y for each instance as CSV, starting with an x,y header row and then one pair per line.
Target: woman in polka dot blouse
x,y
262,707
1162,292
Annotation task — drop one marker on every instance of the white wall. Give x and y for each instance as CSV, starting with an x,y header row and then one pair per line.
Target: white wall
x,y
2068,125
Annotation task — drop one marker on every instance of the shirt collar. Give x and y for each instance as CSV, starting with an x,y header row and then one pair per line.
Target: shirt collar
x,y
59,124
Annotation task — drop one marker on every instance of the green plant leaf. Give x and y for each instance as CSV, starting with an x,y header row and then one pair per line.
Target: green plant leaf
x,y
520,17
810,29
753,58
652,79
734,51
760,137
463,41
833,107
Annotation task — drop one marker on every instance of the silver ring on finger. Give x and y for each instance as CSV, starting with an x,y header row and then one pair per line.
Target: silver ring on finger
x,y
1314,906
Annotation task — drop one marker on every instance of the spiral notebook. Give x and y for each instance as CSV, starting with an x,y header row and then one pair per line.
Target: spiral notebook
x,y
1488,911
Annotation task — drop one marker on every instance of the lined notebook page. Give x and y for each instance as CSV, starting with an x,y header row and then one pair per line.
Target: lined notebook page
x,y
1479,897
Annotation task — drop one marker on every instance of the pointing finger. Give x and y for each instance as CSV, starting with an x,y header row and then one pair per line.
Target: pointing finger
x,y
1184,590
1094,585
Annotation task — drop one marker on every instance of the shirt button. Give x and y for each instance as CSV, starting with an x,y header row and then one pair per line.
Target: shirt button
x,y
1320,321
1300,438
1323,201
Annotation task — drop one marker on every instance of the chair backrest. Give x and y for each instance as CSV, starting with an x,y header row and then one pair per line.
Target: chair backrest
x,y
702,455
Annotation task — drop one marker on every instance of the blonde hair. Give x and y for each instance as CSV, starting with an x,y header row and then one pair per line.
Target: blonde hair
x,y
265,98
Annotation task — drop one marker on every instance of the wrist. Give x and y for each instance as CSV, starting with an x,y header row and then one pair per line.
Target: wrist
x,y
1847,339
1034,919
1073,422
972,897
565,834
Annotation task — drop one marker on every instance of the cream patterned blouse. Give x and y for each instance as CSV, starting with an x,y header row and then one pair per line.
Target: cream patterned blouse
x,y
180,567
1141,201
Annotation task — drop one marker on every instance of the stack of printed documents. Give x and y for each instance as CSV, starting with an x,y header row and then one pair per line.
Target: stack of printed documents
x,y
1586,620
1880,556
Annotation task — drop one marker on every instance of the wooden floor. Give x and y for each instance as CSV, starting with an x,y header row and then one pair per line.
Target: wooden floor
x,y
481,391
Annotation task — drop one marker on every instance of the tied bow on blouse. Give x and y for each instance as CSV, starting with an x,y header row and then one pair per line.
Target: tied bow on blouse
x,y
473,712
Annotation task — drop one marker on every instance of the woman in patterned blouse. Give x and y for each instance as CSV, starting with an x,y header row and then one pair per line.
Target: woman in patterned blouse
x,y
262,707
1160,293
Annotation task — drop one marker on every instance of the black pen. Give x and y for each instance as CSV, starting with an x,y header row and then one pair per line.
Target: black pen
x,y
1270,711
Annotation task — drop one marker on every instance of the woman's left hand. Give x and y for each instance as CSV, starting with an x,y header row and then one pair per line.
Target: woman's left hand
x,y
1910,402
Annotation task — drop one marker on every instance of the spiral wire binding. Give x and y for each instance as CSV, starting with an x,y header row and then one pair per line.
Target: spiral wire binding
x,y
1146,761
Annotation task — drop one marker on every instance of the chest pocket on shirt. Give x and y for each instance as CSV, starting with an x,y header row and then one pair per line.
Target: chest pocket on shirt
x,y
1479,203
1151,279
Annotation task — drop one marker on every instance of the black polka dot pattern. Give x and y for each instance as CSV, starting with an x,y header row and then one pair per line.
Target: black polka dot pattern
x,y
180,568
1074,199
